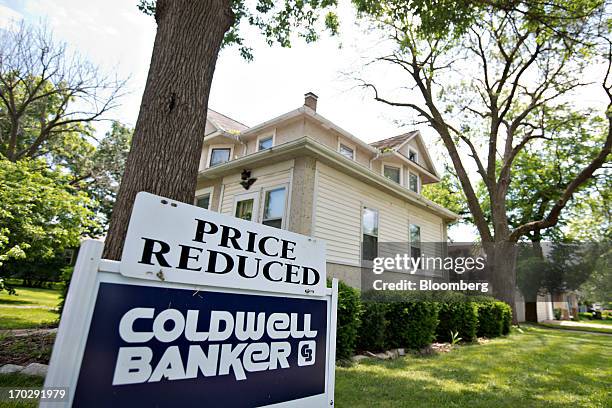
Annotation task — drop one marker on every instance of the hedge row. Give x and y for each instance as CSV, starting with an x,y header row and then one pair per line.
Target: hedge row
x,y
414,320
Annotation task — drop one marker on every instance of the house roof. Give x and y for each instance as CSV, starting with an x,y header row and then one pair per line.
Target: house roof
x,y
394,142
224,123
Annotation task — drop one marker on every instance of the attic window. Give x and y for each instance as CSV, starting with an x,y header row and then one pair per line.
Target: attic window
x,y
392,173
413,156
413,182
219,156
346,151
265,143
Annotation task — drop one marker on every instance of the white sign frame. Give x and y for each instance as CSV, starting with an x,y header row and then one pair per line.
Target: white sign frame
x,y
91,270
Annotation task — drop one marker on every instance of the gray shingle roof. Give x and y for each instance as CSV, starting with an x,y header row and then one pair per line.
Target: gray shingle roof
x,y
224,123
393,142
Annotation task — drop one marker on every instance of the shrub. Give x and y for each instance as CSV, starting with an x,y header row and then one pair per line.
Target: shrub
x,y
494,318
506,317
349,320
373,327
557,312
412,324
65,276
458,316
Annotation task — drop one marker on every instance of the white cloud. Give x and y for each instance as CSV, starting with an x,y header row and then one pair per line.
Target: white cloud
x,y
9,18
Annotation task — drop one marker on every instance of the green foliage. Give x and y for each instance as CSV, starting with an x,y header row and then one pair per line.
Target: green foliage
x,y
374,324
65,277
448,193
349,320
41,213
277,21
412,324
457,316
558,313
494,318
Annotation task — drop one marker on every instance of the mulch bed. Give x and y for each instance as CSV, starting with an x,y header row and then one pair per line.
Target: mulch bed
x,y
26,349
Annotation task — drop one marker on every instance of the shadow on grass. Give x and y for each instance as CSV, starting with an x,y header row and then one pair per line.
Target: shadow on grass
x,y
533,369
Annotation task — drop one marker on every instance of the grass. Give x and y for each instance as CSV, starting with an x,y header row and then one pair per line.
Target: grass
x,y
578,328
602,321
31,308
536,368
19,381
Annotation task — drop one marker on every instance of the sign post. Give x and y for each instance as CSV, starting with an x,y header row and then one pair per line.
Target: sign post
x,y
203,310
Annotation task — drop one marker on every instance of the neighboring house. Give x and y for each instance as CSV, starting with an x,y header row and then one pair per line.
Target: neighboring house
x,y
301,172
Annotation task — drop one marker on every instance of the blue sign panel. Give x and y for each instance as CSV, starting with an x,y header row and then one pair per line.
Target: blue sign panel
x,y
163,347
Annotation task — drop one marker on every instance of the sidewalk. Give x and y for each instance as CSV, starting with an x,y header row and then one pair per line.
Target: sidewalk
x,y
569,323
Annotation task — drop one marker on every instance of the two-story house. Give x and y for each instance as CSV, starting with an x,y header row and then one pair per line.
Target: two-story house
x,y
301,172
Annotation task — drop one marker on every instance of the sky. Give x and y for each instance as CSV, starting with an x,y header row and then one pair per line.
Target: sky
x,y
116,36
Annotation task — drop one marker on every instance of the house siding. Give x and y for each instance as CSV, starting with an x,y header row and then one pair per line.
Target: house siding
x,y
337,219
267,176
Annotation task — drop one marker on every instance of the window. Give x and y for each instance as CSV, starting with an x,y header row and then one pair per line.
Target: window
x,y
413,156
219,156
346,151
274,208
415,241
203,201
413,182
244,209
370,234
392,173
265,143
246,206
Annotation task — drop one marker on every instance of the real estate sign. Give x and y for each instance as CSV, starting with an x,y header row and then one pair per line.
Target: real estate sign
x,y
203,310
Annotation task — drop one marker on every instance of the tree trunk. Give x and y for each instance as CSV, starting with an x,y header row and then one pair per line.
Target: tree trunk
x,y
501,258
169,132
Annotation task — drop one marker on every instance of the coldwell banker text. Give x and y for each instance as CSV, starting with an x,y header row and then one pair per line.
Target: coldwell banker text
x,y
207,353
249,254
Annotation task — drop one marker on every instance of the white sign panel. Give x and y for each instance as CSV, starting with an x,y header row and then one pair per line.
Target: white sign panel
x,y
175,242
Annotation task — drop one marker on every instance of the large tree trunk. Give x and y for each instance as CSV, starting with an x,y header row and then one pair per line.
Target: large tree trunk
x,y
169,132
501,258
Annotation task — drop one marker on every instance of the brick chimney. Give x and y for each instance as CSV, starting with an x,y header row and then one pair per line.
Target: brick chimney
x,y
310,100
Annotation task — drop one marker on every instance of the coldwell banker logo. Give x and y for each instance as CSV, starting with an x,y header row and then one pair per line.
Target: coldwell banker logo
x,y
152,346
134,362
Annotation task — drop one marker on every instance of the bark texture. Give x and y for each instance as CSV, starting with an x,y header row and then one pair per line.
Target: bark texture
x,y
169,132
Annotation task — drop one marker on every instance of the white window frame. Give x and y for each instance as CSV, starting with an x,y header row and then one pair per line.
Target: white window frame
x,y
410,224
373,208
416,155
397,166
254,195
202,192
266,136
263,202
351,146
219,146
418,176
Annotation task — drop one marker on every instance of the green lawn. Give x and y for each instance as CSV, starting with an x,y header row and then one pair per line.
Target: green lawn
x,y
536,368
579,327
32,307
19,381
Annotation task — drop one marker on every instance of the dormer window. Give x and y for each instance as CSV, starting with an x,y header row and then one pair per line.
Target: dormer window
x,y
219,155
413,156
347,151
413,182
393,173
265,143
